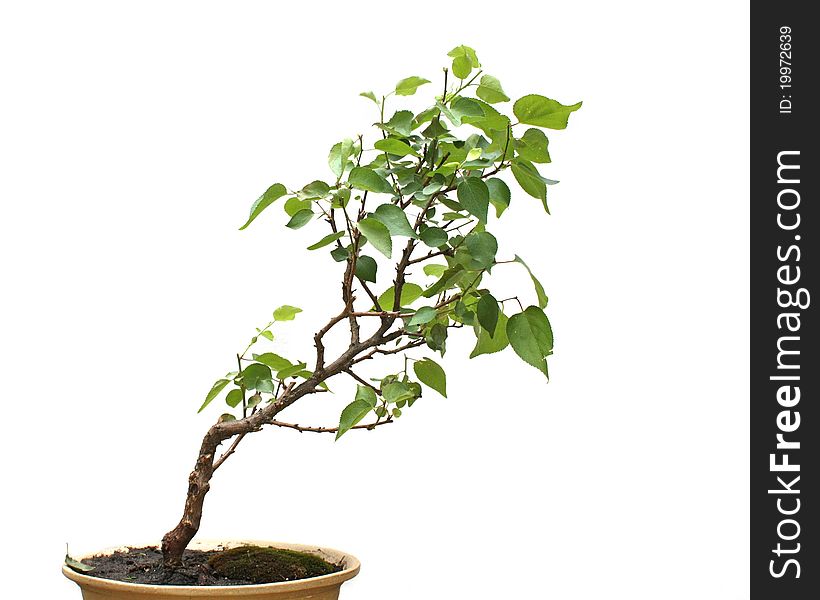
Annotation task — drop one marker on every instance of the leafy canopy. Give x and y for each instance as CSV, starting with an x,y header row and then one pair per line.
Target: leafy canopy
x,y
418,193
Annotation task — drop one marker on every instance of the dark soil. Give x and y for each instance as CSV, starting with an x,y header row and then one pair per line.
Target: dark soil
x,y
245,565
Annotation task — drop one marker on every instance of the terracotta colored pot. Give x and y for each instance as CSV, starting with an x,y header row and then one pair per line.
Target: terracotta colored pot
x,y
325,587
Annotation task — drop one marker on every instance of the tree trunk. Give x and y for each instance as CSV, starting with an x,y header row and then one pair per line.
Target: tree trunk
x,y
199,481
175,541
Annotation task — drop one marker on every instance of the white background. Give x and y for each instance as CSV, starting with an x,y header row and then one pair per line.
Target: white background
x,y
134,137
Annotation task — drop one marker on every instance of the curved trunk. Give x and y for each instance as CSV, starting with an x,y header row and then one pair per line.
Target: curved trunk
x,y
199,481
175,541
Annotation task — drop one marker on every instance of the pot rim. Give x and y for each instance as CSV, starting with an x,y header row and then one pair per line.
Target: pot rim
x,y
350,562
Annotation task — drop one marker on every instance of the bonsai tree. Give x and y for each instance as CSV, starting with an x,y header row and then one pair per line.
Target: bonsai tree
x,y
419,193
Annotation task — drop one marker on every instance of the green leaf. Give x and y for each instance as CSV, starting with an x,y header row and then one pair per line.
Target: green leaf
x,y
274,361
489,344
435,270
371,96
255,374
366,268
543,112
273,193
449,279
431,374
487,313
482,247
337,160
217,387
225,418
395,219
394,146
294,205
366,179
462,66
292,371
267,335
314,190
327,240
434,237
465,51
234,398
377,234
76,565
539,289
423,315
474,197
410,292
489,90
340,254
286,312
531,181
530,336
400,123
409,85
357,410
499,194
533,146
300,219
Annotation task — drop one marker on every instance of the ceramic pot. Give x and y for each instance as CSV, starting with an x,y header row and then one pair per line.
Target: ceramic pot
x,y
325,587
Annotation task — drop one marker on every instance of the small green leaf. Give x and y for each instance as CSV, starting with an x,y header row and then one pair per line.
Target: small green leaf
x,y
377,234
482,247
531,181
489,344
473,154
435,270
294,205
474,197
371,96
255,374
400,123
410,292
366,268
267,335
314,190
543,112
274,361
533,146
423,315
539,289
395,219
462,66
434,237
286,312
300,219
226,417
368,180
337,160
465,51
530,335
357,410
273,193
327,240
409,85
431,374
487,313
217,387
340,254
292,371
499,194
76,565
394,146
489,90
234,398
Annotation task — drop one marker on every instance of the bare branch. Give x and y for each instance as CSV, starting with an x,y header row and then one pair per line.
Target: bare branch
x,y
308,429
